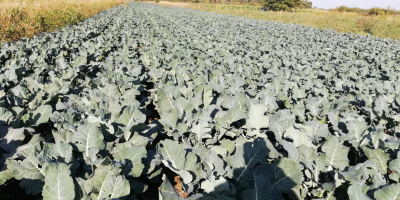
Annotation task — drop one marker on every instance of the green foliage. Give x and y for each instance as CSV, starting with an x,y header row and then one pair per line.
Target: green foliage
x,y
119,104
306,4
377,11
286,5
347,9
372,11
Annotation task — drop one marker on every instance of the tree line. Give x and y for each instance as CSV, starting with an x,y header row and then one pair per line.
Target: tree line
x,y
286,5
275,5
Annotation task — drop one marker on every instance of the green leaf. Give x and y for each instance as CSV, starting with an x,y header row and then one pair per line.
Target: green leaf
x,y
281,121
257,119
261,189
137,140
110,90
58,183
390,192
299,93
88,137
354,174
379,157
173,156
207,97
299,112
231,116
335,154
229,145
300,134
130,117
184,107
234,115
213,185
240,100
393,177
167,191
202,130
170,119
356,129
33,85
11,139
21,92
10,74
52,88
246,157
6,175
134,154
29,168
165,101
31,174
31,147
293,153
32,186
197,99
106,183
5,116
80,193
356,192
194,167
41,115
7,171
319,130
168,113
381,106
313,106
36,101
378,179
283,175
215,163
61,149
395,164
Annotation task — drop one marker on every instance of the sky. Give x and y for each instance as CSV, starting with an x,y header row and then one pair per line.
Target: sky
x,y
366,4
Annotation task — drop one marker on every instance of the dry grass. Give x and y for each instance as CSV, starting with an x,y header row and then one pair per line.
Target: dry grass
x,y
386,26
26,18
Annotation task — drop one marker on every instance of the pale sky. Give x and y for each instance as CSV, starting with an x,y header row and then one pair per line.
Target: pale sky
x,y
366,4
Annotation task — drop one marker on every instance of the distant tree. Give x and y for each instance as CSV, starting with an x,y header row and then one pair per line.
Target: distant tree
x,y
286,5
307,4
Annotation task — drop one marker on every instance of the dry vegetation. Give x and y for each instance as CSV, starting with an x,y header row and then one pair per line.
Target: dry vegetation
x,y
26,18
169,3
386,26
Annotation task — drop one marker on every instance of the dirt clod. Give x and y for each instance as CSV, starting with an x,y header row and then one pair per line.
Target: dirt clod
x,y
178,187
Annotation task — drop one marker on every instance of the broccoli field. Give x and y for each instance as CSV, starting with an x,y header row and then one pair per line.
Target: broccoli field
x,y
151,102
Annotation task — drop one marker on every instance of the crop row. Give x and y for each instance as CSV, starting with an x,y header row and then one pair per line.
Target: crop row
x,y
140,98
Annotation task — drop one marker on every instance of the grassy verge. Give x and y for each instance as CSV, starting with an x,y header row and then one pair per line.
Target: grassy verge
x,y
26,18
386,26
